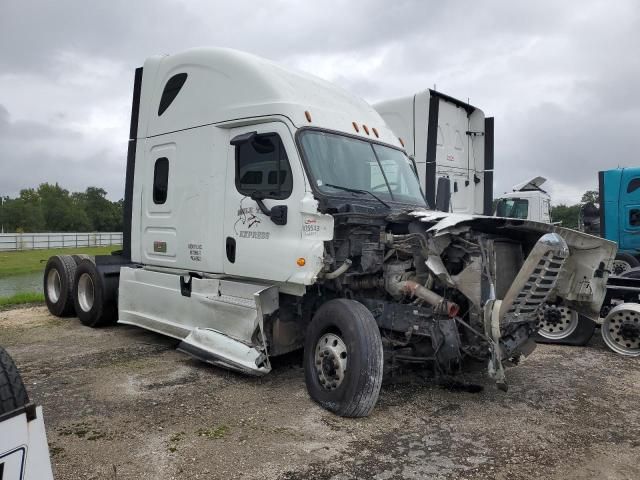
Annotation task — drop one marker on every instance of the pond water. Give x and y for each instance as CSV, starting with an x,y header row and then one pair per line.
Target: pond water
x,y
30,282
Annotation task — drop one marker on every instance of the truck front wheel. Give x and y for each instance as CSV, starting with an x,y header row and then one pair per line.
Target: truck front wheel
x,y
561,325
343,358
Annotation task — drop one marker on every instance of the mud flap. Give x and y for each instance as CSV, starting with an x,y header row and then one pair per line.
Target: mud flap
x,y
219,349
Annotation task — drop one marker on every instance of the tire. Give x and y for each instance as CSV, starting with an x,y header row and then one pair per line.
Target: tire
x,y
623,263
578,329
621,329
347,385
78,257
13,395
95,295
59,274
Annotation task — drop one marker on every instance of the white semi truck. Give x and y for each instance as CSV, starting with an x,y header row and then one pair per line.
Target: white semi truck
x,y
267,210
527,201
452,144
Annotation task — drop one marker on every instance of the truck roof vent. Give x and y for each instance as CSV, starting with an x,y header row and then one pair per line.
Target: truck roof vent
x,y
170,91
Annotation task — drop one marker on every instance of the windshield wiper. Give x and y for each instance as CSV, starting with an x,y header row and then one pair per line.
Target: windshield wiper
x,y
357,190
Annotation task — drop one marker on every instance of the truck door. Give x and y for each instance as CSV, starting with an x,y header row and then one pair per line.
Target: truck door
x,y
263,163
158,232
630,210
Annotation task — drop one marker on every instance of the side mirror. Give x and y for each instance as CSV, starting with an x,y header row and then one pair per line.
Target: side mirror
x,y
277,214
443,194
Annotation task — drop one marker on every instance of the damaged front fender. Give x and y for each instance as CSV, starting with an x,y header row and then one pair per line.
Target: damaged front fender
x,y
582,281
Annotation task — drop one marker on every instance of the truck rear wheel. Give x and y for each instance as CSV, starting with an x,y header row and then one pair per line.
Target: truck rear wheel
x,y
343,358
94,296
621,329
78,257
623,263
561,325
13,395
58,285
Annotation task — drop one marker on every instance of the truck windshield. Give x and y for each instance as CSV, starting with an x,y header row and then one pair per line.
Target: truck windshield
x,y
513,208
338,161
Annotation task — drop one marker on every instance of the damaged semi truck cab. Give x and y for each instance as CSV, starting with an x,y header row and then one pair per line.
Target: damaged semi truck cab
x,y
267,210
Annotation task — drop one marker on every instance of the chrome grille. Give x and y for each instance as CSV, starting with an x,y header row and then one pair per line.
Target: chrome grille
x,y
535,280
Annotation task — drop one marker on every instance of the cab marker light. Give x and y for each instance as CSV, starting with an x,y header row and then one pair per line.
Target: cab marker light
x,y
366,129
355,127
375,132
308,115
301,262
401,141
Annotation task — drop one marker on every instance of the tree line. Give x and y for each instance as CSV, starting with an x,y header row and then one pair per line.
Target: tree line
x,y
51,208
568,214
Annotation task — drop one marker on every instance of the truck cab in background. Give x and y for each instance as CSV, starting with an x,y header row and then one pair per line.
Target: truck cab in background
x,y
619,214
451,143
527,201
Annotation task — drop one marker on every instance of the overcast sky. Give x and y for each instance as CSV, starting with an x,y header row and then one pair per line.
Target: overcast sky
x,y
561,78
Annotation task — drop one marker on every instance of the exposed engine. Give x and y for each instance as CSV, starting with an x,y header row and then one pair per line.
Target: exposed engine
x,y
449,294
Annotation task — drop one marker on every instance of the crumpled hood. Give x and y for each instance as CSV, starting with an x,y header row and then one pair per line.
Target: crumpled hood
x,y
584,274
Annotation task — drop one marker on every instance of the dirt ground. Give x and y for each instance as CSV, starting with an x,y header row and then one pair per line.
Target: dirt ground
x,y
122,403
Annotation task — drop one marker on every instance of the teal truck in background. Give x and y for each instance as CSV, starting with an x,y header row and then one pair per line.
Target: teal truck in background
x,y
615,217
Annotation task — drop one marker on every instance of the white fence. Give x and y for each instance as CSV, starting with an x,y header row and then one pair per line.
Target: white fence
x,y
32,241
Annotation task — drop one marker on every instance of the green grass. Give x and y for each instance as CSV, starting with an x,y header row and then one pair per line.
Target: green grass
x,y
33,261
20,298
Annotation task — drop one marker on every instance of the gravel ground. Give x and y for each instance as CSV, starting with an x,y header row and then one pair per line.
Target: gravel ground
x,y
122,403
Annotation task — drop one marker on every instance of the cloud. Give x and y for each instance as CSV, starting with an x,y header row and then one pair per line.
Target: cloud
x,y
559,77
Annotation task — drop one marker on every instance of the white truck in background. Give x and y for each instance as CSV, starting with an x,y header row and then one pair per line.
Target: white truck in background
x,y
451,143
267,211
527,201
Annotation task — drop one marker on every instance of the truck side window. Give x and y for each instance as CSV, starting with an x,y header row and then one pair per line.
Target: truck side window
x,y
634,217
160,180
633,185
171,90
262,166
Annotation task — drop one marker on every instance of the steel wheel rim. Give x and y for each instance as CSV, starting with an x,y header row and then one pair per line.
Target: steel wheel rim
x,y
620,266
86,292
54,285
330,361
562,328
618,332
